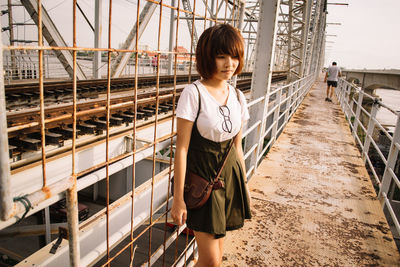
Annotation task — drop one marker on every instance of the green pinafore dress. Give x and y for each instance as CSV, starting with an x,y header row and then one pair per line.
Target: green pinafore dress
x,y
227,208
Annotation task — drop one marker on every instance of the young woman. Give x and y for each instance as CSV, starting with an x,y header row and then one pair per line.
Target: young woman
x,y
209,115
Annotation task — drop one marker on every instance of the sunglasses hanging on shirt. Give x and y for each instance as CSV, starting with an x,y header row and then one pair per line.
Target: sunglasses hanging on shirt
x,y
226,124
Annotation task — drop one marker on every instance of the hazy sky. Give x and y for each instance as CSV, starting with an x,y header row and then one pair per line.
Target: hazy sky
x,y
369,34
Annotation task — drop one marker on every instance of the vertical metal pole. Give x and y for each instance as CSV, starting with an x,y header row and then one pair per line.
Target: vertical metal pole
x,y
212,12
315,35
171,39
261,81
135,88
276,115
98,11
73,226
240,28
12,52
391,161
370,130
306,27
6,203
358,111
47,223
289,78
72,193
97,59
288,103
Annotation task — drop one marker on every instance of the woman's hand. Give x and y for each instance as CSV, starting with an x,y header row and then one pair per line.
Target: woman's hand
x,y
179,212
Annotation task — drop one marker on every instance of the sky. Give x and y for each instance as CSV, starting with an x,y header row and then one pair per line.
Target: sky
x,y
368,37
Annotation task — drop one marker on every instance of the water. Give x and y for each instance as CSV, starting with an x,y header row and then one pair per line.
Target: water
x,y
390,98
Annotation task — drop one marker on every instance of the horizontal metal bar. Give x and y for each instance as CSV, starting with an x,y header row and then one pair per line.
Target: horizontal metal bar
x,y
275,91
159,252
372,168
379,151
392,213
250,151
192,246
282,126
249,171
281,115
255,101
93,246
361,125
364,110
268,130
394,177
377,123
272,110
251,128
388,108
264,150
40,195
358,140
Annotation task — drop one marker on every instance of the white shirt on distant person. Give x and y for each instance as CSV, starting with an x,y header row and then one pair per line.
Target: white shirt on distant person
x,y
333,73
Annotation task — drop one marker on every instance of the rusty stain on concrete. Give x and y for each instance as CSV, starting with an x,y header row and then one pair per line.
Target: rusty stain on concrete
x,y
313,202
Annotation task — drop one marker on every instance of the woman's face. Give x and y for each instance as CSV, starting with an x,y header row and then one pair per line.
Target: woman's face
x,y
226,66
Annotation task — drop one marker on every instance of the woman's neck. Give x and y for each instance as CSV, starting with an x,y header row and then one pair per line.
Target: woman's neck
x,y
214,84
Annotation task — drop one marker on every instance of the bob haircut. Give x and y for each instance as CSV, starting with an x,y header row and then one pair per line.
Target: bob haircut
x,y
217,40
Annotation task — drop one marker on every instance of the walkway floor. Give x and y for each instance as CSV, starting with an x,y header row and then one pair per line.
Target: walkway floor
x,y
312,200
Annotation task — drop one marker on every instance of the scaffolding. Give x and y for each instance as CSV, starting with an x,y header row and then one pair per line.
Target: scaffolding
x,y
279,35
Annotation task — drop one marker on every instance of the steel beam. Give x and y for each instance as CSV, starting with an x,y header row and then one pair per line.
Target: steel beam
x,y
171,38
186,5
53,38
29,182
93,231
261,81
122,59
6,203
98,11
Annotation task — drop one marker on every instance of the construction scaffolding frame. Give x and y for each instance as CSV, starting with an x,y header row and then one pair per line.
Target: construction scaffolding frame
x,y
274,40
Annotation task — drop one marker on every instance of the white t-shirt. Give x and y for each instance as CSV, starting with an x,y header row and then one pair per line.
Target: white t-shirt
x,y
210,121
333,73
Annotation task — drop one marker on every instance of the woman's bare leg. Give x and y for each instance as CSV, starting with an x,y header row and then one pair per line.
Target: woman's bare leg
x,y
210,250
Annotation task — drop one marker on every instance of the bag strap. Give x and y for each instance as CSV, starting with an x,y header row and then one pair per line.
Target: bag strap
x,y
198,111
225,158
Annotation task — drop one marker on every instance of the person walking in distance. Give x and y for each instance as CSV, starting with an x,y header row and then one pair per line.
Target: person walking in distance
x,y
331,77
210,114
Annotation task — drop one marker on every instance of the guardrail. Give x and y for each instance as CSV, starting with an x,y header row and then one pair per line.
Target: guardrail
x,y
282,104
365,136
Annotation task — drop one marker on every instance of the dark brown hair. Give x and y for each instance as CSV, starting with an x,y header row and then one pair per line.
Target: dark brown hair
x,y
217,40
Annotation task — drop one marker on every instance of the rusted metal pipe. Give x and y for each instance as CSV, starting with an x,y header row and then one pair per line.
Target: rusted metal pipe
x,y
6,202
37,197
135,93
72,193
73,224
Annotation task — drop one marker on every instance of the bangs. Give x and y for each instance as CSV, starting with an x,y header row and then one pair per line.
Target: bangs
x,y
226,41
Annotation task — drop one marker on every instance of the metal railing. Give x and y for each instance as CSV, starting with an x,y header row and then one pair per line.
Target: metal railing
x,y
361,111
116,228
283,101
26,67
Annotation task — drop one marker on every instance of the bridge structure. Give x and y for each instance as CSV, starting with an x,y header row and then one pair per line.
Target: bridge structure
x,y
369,80
321,194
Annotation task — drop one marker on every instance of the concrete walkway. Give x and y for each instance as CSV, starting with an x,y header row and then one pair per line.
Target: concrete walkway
x,y
312,200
